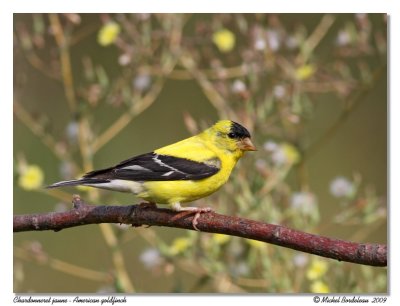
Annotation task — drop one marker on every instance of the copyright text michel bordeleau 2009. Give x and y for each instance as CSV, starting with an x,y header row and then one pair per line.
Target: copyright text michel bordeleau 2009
x,y
347,299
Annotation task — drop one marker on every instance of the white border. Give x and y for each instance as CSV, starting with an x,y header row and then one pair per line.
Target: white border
x,y
7,8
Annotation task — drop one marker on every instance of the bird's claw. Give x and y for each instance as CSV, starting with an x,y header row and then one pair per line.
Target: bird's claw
x,y
197,216
190,210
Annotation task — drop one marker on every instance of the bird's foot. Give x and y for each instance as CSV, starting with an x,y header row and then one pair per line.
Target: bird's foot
x,y
197,216
196,210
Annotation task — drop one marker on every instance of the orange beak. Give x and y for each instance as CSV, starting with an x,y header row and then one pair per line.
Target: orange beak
x,y
246,145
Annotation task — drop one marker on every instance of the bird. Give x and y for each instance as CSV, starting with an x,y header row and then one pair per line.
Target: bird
x,y
182,172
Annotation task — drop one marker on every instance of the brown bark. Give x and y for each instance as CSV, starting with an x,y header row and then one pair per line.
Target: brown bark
x,y
137,215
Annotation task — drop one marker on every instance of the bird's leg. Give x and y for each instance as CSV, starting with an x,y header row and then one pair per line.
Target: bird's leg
x,y
197,210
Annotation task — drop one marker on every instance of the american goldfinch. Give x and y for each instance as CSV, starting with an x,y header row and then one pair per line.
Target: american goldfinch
x,y
181,172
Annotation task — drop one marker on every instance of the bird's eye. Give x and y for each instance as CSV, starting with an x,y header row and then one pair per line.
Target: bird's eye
x,y
231,135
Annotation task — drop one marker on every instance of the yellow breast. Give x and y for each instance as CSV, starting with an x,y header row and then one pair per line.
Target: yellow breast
x,y
168,192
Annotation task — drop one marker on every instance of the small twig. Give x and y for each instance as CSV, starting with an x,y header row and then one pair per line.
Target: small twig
x,y
222,73
353,102
141,104
315,38
83,33
56,193
85,145
37,63
25,117
65,267
208,88
117,258
137,215
126,118
65,60
37,129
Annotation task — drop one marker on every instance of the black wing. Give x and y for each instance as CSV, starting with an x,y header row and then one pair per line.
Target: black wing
x,y
157,167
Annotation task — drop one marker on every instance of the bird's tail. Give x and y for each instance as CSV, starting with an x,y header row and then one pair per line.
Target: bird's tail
x,y
83,181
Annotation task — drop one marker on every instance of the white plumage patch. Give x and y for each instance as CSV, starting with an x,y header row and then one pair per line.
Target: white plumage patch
x,y
161,163
168,173
136,168
120,185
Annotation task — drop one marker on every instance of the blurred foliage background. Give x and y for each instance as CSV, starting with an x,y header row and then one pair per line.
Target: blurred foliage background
x,y
93,89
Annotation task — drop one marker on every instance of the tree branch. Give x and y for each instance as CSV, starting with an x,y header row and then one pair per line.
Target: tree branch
x,y
362,253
